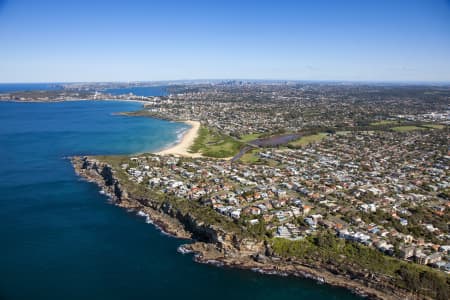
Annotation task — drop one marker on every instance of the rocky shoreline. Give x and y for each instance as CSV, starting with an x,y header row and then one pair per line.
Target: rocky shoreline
x,y
212,245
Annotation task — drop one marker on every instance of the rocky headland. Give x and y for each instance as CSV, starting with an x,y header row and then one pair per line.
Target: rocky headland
x,y
213,245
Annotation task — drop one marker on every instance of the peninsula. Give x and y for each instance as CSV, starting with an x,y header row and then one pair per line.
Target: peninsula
x,y
322,184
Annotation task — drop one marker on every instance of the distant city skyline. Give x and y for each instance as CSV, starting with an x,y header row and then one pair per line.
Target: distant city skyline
x,y
136,40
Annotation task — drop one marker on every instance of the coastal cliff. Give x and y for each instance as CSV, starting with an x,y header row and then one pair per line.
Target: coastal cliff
x,y
214,245
162,213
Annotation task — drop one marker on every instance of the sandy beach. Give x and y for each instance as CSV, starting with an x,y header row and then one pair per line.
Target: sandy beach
x,y
181,149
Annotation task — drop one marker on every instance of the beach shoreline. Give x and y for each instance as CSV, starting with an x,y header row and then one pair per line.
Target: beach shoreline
x,y
182,147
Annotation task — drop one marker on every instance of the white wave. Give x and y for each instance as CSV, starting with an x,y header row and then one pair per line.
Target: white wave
x,y
148,220
180,133
183,250
269,272
141,214
214,262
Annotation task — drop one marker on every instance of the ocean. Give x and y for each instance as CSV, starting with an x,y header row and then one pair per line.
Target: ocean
x,y
62,239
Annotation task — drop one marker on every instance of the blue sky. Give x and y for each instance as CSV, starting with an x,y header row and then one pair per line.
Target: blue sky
x,y
99,40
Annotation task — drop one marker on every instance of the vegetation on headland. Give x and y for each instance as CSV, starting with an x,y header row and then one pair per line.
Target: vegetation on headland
x,y
212,143
200,212
204,214
146,113
326,248
137,113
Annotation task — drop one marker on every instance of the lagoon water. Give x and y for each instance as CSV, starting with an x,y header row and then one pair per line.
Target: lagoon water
x,y
61,239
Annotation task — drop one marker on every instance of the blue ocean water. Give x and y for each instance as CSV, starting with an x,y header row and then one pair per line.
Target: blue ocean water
x,y
140,91
15,87
61,239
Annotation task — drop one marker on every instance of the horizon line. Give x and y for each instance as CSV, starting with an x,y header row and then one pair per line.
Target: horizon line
x,y
412,82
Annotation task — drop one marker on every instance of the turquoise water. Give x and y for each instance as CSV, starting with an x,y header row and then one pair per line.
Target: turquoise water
x,y
61,239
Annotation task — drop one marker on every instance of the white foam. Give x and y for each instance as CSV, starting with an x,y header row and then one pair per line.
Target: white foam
x,y
269,272
183,250
180,133
148,220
